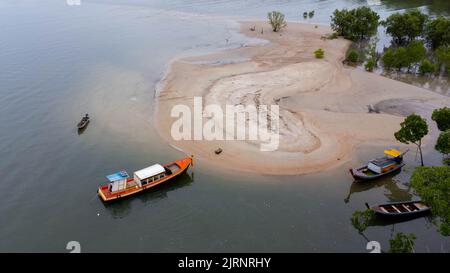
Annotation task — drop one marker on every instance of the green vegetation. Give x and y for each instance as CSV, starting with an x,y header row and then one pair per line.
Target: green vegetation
x,y
361,219
433,186
369,65
410,53
402,243
442,54
276,20
311,14
427,67
443,143
332,36
407,26
412,130
319,53
389,59
447,161
416,52
394,58
438,32
404,57
355,24
442,118
352,56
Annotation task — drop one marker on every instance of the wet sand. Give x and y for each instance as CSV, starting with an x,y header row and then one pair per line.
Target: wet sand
x,y
323,105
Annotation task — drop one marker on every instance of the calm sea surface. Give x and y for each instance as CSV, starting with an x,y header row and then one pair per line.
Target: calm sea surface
x,y
59,61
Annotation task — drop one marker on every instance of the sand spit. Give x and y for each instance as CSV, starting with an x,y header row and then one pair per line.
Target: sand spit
x,y
323,106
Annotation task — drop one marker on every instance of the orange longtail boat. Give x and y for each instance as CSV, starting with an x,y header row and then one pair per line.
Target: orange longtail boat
x,y
121,185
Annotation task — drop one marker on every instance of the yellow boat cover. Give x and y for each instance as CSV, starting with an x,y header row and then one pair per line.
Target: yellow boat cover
x,y
392,152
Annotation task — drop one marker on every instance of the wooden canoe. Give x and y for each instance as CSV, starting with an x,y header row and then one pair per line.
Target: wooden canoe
x,y
400,209
363,173
173,170
83,123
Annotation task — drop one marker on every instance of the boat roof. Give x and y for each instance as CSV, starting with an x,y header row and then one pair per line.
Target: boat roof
x,y
150,171
393,152
382,162
117,176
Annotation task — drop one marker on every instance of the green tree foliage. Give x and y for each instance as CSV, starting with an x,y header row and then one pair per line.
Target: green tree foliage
x,y
427,67
361,219
416,52
319,53
442,118
432,184
389,59
403,57
402,243
407,26
443,143
442,54
352,56
438,32
412,130
369,65
355,24
276,20
395,58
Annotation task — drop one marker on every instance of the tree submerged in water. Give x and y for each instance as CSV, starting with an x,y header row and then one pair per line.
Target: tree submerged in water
x,y
355,24
361,219
402,243
405,27
432,184
276,20
442,118
443,143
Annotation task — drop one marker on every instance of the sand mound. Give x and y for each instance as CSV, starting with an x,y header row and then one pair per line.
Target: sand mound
x,y
323,107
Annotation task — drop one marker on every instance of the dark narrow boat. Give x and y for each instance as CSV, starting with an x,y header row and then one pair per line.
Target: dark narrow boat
x,y
401,209
380,166
83,123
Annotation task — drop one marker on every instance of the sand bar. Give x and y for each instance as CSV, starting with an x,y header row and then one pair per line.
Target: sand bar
x,y
323,105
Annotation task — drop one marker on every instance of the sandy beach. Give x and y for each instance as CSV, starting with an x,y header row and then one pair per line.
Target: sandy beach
x,y
323,105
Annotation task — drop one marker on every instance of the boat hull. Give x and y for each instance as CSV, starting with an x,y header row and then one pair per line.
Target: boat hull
x,y
82,124
359,175
401,209
107,196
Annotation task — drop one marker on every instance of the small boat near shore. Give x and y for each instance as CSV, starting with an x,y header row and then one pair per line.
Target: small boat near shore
x,y
121,185
400,209
84,122
392,162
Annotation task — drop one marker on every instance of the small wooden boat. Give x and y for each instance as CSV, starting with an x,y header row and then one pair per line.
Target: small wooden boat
x,y
218,151
83,123
405,209
380,166
121,185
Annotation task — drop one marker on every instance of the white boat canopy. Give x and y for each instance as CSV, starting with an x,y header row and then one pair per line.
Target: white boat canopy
x,y
149,171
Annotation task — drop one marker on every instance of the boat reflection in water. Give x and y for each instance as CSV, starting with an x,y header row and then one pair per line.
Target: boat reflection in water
x,y
395,193
122,209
